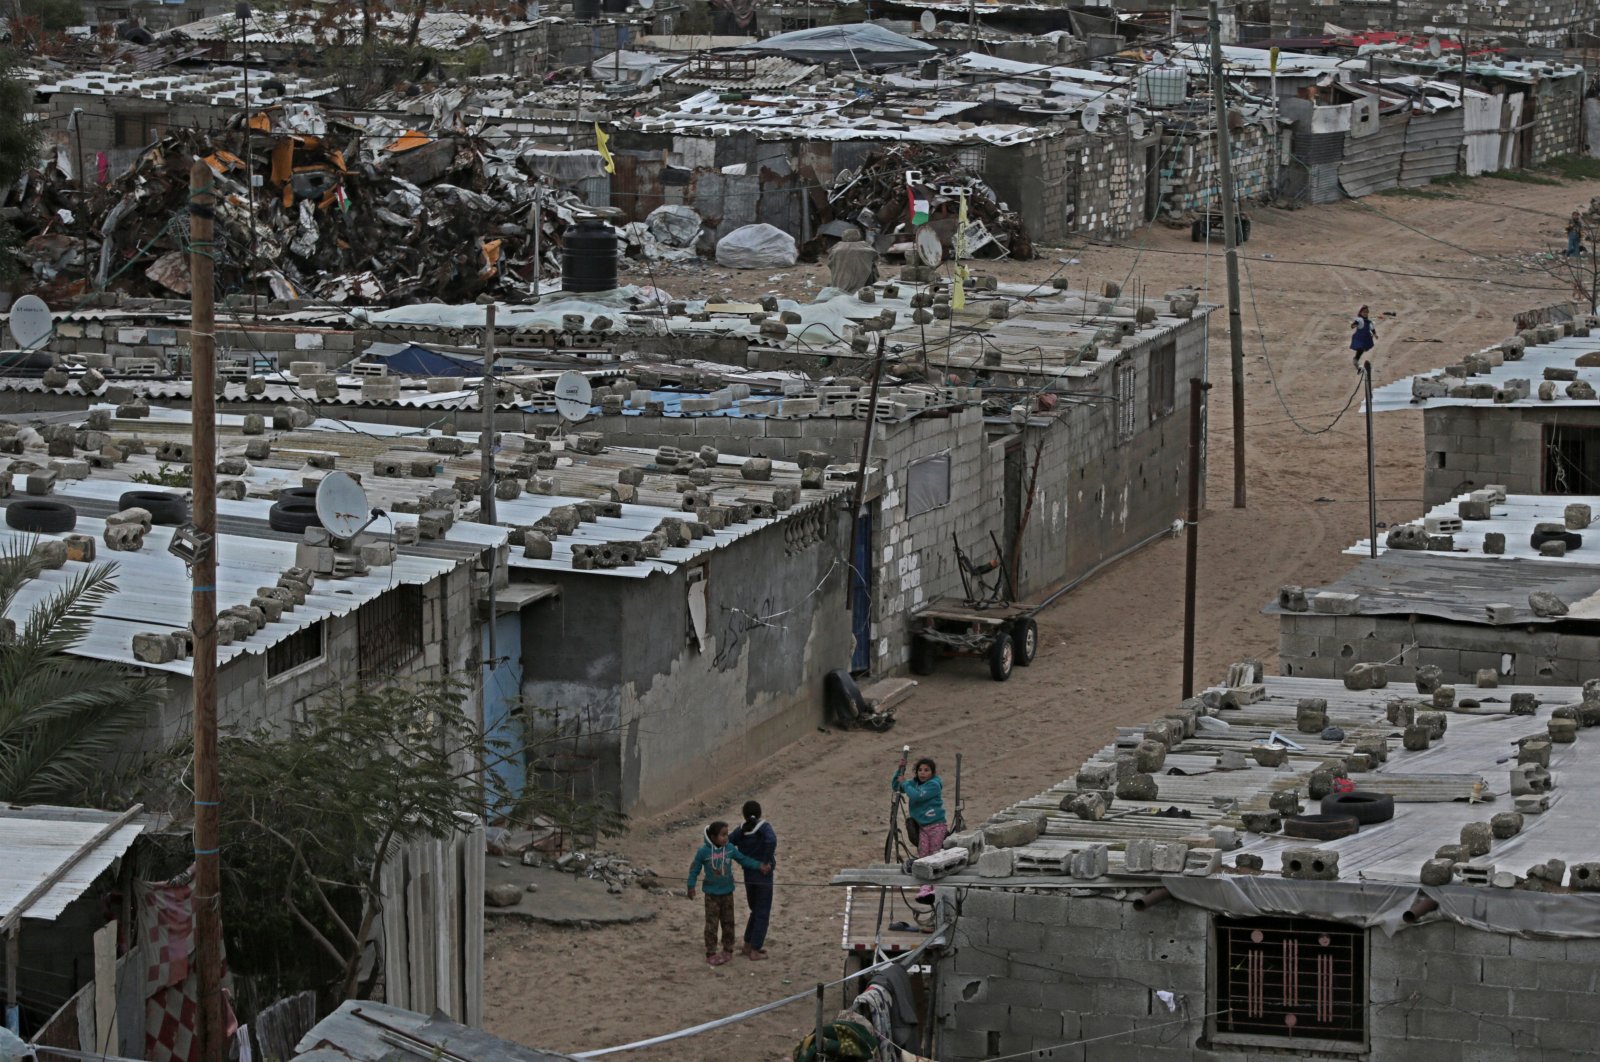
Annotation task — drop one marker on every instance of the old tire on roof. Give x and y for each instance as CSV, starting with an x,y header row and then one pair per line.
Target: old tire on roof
x,y
164,506
1320,827
40,516
1365,808
293,516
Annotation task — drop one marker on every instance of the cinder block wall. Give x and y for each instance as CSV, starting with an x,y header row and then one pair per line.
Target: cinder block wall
x,y
1539,21
1028,973
1311,645
1191,169
1467,447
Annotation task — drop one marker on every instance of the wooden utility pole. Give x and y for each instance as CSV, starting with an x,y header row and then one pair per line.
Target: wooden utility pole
x,y
1230,225
207,896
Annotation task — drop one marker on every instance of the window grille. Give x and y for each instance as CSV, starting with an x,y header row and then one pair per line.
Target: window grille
x,y
1290,978
389,629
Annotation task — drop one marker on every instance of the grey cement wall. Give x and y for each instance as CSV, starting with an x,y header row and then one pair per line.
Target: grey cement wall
x,y
1311,645
1191,169
1467,447
247,698
1539,21
653,717
1029,972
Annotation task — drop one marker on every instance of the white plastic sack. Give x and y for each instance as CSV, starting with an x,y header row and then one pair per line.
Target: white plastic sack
x,y
757,247
674,226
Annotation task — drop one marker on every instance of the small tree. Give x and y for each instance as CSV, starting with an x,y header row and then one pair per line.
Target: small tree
x,y
311,817
62,717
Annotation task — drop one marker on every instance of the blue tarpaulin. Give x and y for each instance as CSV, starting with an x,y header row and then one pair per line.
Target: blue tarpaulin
x,y
408,359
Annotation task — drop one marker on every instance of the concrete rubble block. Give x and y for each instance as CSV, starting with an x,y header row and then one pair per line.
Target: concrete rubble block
x,y
1529,779
39,483
1262,821
1476,837
1270,755
1149,756
1244,694
971,840
446,444
1285,802
233,466
1444,697
1437,871
1584,877
1091,806
378,554
1505,824
1201,862
1249,861
1577,516
286,598
1401,712
80,548
996,863
1531,804
1139,857
1470,509
424,469
1012,833
1366,677
1563,731
1310,864
1553,548
434,523
151,648
1500,614
1090,863
758,469
257,450
1333,603
1494,543
270,607
70,468
508,489
1487,678
536,545
940,863
1551,870
1417,738
1534,750
1311,715
124,538
1093,775
1436,722
1428,678
1137,787
254,424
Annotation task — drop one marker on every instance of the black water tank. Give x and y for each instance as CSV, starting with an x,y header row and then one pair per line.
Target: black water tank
x,y
614,7
586,9
589,257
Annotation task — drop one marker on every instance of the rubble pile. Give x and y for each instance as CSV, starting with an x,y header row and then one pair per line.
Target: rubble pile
x,y
617,872
875,199
341,215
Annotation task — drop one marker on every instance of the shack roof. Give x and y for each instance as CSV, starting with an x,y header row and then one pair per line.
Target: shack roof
x,y
39,840
364,1031
1484,384
1459,779
1516,518
222,86
447,30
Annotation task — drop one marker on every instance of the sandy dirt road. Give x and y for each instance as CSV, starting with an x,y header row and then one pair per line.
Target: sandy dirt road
x,y
1457,269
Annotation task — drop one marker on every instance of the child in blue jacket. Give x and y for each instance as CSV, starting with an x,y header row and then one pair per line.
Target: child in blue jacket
x,y
925,793
717,859
756,838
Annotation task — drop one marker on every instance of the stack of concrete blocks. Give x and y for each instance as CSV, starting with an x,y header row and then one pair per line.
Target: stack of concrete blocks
x,y
1468,447
1190,171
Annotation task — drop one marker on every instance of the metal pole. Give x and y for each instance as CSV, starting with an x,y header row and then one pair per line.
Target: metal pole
x,y
207,896
486,397
538,232
821,1054
866,456
1230,223
83,196
1372,466
249,167
1197,390
13,960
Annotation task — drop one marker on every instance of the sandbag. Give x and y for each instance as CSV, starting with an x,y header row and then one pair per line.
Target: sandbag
x,y
757,247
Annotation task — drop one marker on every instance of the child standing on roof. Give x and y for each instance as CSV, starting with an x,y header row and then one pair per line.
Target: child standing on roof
x,y
716,858
1363,336
925,817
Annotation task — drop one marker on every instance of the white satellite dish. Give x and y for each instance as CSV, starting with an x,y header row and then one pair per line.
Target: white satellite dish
x,y
929,249
574,396
31,322
1434,47
928,22
342,505
1136,124
646,5
1090,117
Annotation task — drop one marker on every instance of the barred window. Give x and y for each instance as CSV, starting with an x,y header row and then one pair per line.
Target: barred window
x,y
389,629
1163,380
301,647
1279,979
1127,401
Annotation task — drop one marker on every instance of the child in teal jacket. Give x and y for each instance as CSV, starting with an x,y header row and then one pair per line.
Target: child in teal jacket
x,y
925,793
716,858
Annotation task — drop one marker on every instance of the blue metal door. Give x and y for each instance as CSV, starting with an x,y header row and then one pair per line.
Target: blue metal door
x,y
861,595
502,694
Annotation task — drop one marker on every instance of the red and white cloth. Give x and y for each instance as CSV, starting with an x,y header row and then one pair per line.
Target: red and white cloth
x,y
171,987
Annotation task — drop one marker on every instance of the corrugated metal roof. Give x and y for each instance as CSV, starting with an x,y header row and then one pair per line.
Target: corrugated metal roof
x,y
1515,518
1560,354
1372,163
36,841
363,1031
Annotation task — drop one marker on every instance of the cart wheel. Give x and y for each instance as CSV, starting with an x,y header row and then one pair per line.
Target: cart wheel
x,y
1025,635
924,655
1002,654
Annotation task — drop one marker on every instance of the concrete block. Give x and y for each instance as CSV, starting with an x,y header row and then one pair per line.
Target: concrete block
x,y
996,863
1584,877
940,863
1476,838
1311,864
1331,603
153,648
1365,677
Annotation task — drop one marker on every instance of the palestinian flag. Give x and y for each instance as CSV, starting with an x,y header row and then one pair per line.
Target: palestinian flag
x,y
342,199
919,203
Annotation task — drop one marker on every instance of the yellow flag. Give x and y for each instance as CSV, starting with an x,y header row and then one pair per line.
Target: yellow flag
x,y
958,292
601,141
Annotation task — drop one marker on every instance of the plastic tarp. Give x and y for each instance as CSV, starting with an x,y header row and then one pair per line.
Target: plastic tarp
x,y
408,359
1516,912
674,225
757,247
857,44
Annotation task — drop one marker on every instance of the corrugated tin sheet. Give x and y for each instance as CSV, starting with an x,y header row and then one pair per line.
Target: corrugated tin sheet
x,y
1372,163
1314,177
1433,147
36,841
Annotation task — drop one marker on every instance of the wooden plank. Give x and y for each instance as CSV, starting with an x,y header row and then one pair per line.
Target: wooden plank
x,y
472,926
105,988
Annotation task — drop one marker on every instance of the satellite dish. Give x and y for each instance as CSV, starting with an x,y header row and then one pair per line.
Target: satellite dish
x,y
929,249
1136,124
646,5
1434,47
574,396
342,505
31,322
1090,117
928,22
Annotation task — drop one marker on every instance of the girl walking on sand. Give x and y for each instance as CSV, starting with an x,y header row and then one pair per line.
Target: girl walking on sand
x,y
1363,335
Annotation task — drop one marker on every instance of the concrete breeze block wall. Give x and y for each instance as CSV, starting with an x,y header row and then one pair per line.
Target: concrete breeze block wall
x,y
1466,447
1311,645
1029,972
1538,21
1191,173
